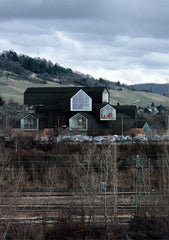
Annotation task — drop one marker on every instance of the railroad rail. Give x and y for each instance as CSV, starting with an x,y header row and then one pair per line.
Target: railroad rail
x,y
38,206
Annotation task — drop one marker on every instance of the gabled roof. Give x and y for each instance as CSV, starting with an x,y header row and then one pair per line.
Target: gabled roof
x,y
96,109
70,90
48,107
130,110
140,123
35,115
51,95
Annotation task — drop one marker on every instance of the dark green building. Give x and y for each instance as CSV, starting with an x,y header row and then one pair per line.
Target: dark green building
x,y
84,110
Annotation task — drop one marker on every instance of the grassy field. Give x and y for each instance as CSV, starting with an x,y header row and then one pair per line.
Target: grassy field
x,y
138,98
14,88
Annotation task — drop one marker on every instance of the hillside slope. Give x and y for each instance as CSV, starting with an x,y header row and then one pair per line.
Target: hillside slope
x,y
12,87
18,72
138,98
162,89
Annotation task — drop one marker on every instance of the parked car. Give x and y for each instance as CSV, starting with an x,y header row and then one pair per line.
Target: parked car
x,y
140,137
165,137
98,139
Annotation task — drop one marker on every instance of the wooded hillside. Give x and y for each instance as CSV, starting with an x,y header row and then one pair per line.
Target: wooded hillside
x,y
47,71
17,72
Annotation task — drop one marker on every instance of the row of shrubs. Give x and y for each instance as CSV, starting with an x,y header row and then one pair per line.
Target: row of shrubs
x,y
139,228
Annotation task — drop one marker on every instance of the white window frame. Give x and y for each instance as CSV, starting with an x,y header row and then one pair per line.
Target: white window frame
x,y
78,129
81,109
108,119
105,96
30,129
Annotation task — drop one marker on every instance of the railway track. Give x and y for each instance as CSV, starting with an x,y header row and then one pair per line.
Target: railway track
x,y
71,192
99,220
34,206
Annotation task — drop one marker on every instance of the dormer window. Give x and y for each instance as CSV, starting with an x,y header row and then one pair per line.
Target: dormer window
x,y
30,123
78,122
81,102
108,113
105,96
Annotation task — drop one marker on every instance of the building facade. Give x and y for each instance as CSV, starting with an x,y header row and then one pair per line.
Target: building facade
x,y
84,110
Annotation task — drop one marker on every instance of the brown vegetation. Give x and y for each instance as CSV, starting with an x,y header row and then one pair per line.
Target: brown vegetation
x,y
89,169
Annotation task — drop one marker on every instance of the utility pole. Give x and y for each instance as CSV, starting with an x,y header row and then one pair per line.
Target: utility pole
x,y
138,184
105,205
115,180
122,126
149,176
38,52
101,166
6,122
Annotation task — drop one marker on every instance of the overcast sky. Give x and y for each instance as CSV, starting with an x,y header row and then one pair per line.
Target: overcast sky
x,y
119,40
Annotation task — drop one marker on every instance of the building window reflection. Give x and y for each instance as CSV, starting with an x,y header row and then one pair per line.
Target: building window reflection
x,y
78,122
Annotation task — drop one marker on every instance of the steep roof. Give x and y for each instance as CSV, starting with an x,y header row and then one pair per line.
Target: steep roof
x,y
140,123
36,115
51,95
63,89
130,110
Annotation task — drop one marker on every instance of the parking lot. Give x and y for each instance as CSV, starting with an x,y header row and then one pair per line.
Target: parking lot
x,y
106,138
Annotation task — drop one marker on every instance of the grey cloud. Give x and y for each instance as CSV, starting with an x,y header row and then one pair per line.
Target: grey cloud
x,y
129,17
108,34
43,9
